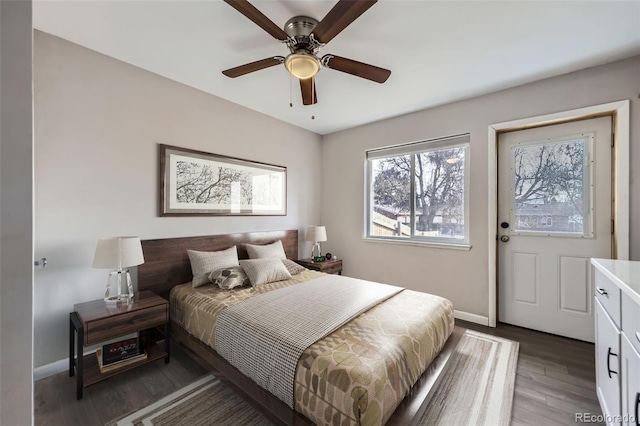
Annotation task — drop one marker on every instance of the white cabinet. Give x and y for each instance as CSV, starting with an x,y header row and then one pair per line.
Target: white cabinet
x,y
630,382
631,321
617,316
607,364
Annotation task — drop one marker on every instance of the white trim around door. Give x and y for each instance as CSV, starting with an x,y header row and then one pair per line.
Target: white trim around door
x,y
620,112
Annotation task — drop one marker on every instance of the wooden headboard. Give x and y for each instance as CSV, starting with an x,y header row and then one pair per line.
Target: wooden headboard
x,y
166,262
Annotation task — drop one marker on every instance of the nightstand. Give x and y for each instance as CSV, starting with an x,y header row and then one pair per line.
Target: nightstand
x,y
97,321
328,266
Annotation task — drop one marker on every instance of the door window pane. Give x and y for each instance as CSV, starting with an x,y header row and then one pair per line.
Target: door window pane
x,y
549,182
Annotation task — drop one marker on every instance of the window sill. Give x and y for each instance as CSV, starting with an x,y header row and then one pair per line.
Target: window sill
x,y
426,244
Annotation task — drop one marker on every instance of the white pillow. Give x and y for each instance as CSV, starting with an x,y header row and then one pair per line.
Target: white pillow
x,y
204,262
267,250
264,271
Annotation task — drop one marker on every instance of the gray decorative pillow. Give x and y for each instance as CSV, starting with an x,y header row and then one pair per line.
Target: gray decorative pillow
x,y
267,250
292,266
265,271
204,262
228,278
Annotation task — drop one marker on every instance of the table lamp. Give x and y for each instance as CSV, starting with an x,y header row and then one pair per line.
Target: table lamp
x,y
316,234
118,252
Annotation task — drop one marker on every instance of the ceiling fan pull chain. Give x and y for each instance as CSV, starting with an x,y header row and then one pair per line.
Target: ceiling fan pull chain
x,y
313,94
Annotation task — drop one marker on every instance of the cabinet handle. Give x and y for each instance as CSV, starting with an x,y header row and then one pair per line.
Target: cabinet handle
x,y
638,335
637,402
602,291
609,370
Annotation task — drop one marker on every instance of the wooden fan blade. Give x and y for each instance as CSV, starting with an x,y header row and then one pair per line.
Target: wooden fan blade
x,y
359,69
253,66
339,18
248,10
309,94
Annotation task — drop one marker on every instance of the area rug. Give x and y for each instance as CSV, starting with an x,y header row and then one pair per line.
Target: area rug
x,y
478,386
476,390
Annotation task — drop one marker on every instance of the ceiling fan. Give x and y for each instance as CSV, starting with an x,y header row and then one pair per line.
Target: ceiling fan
x,y
305,36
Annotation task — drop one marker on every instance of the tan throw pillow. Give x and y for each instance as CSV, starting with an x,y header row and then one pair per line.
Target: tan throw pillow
x,y
228,278
292,266
264,271
267,250
204,262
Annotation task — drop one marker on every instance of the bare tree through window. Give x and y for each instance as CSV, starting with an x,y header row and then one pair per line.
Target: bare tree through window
x,y
548,185
438,194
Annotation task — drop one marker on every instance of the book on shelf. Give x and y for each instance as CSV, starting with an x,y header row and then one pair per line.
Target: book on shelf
x,y
118,364
121,350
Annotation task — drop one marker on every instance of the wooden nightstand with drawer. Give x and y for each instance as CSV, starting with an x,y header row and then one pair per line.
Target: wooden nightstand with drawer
x,y
333,266
97,321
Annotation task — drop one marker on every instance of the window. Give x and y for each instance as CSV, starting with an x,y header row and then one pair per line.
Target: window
x,y
419,192
551,191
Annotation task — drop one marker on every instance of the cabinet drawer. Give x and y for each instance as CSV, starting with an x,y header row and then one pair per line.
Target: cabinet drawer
x,y
129,322
332,269
631,321
609,295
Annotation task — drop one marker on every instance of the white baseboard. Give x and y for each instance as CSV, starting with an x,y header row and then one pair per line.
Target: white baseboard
x,y
63,364
50,369
54,367
466,316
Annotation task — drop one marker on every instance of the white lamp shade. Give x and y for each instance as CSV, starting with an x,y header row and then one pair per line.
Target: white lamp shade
x,y
316,233
118,252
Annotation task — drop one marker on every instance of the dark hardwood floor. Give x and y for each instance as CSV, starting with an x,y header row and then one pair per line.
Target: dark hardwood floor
x,y
555,380
55,401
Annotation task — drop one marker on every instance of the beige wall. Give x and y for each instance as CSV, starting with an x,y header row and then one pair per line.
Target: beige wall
x,y
16,214
98,123
462,276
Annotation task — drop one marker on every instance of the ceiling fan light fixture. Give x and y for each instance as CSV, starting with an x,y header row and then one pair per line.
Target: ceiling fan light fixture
x,y
302,65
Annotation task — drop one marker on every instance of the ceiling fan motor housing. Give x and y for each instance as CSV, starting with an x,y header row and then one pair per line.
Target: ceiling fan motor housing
x,y
299,29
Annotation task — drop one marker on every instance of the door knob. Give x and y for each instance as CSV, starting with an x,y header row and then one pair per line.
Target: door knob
x,y
504,238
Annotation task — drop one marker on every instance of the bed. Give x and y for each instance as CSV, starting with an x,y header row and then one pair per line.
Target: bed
x,y
340,393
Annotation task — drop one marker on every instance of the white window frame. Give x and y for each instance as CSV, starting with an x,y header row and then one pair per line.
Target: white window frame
x,y
457,141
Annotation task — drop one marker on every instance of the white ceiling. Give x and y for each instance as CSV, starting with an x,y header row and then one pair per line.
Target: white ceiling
x,y
438,51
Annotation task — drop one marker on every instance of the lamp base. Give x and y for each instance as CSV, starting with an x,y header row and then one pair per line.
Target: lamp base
x,y
315,250
124,287
116,299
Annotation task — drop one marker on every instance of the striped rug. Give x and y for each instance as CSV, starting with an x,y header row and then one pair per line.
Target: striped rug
x,y
477,390
478,386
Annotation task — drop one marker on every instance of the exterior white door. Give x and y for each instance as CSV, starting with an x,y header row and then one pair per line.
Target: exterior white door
x,y
554,213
